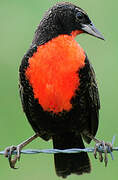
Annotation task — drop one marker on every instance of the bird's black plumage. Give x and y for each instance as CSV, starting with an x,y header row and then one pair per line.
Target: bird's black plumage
x,y
66,128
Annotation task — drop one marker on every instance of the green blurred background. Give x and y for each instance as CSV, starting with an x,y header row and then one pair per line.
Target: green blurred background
x,y
18,21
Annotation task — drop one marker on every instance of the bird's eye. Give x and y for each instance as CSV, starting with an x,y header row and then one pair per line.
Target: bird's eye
x,y
79,15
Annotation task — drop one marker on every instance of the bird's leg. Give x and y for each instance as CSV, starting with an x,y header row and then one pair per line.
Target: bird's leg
x,y
18,148
105,145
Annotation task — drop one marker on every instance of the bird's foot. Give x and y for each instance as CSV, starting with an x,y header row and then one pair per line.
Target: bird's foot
x,y
9,152
106,146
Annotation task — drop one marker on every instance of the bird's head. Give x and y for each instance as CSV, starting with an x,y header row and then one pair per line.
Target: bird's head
x,y
65,18
71,18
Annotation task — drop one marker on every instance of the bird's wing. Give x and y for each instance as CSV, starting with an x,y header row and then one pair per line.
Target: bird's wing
x,y
23,82
30,105
26,92
90,95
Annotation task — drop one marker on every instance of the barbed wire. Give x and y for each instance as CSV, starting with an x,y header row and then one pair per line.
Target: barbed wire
x,y
73,150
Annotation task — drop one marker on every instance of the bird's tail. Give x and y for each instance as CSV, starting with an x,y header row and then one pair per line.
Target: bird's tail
x,y
65,164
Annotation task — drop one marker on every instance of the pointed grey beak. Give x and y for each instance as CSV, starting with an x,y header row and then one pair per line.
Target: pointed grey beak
x,y
90,29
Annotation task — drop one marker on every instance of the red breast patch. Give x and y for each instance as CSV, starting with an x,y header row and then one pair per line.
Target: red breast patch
x,y
52,72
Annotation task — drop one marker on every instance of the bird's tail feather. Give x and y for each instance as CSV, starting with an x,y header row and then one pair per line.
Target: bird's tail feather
x,y
65,164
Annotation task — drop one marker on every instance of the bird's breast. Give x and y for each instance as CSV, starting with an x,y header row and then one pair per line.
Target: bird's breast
x,y
53,73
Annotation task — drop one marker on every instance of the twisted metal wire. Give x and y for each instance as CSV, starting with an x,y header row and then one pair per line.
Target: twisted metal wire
x,y
73,150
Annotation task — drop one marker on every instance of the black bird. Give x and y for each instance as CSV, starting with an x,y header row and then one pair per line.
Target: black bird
x,y
58,90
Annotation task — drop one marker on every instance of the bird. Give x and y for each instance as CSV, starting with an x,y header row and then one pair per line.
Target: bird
x,y
58,88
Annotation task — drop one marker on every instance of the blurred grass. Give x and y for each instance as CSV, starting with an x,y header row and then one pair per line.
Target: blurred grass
x,y
18,21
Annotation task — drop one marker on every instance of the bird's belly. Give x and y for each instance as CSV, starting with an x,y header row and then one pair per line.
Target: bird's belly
x,y
53,73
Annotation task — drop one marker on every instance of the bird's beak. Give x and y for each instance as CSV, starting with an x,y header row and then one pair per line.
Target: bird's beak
x,y
90,29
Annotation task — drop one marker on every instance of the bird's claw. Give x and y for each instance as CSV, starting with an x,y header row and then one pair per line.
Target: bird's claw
x,y
9,152
106,147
